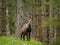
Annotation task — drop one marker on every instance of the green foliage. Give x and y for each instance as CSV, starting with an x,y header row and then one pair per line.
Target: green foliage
x,y
50,21
16,41
55,3
11,4
57,42
28,3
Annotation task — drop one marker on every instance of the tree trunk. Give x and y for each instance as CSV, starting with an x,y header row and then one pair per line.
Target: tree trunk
x,y
3,18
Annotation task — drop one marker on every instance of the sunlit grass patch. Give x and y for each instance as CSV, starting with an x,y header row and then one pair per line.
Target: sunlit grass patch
x,y
17,41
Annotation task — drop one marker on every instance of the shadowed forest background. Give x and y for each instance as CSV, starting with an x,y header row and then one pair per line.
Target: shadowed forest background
x,y
45,21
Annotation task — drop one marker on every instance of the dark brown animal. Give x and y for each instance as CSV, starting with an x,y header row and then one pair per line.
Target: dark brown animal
x,y
26,31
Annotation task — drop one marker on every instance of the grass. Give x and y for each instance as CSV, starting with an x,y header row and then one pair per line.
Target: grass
x,y
17,41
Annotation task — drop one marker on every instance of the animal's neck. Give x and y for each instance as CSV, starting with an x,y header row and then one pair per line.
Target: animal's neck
x,y
27,24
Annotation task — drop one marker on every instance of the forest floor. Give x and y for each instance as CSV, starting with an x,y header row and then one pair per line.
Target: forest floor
x,y
17,41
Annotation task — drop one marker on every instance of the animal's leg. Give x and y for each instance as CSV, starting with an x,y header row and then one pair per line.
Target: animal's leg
x,y
29,36
24,36
21,35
